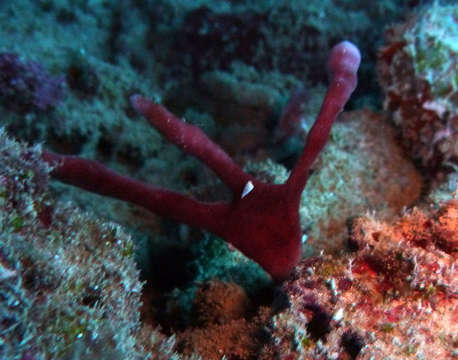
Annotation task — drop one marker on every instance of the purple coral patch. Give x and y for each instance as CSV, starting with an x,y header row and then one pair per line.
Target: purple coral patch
x,y
27,86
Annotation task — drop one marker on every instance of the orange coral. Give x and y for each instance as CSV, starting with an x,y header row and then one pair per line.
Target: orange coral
x,y
395,295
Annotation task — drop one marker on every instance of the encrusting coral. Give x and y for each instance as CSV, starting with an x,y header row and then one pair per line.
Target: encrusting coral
x,y
394,294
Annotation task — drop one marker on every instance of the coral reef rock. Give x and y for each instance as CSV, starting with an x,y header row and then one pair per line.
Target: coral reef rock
x,y
393,295
417,70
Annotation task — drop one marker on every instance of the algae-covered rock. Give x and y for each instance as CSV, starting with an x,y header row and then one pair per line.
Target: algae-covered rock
x,y
393,296
418,72
69,287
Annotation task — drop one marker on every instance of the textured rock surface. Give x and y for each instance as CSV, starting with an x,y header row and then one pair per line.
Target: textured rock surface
x,y
417,69
69,287
395,295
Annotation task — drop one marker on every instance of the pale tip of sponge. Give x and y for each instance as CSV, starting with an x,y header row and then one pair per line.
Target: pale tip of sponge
x,y
345,56
135,100
140,104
